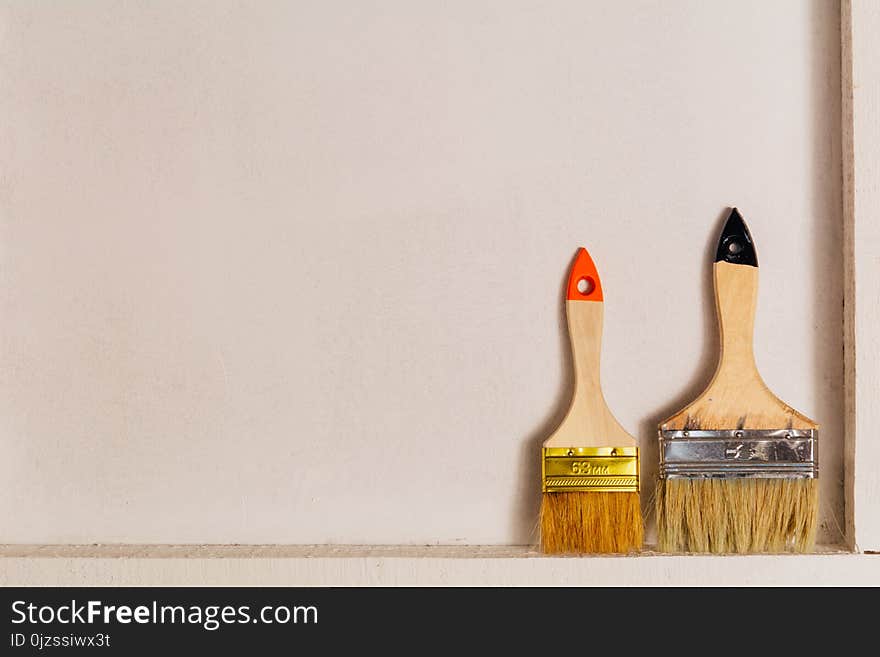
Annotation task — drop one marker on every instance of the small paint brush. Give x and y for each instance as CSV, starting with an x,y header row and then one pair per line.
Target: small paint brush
x,y
590,464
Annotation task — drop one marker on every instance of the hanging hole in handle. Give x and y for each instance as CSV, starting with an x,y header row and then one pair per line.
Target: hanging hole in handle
x,y
734,248
586,285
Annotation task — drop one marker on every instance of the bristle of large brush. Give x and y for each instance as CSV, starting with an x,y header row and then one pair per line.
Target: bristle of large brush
x,y
737,515
590,523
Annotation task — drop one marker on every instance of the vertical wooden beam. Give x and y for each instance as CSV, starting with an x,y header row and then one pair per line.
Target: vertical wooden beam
x,y
860,84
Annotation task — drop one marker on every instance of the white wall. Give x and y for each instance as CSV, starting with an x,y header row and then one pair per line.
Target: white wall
x,y
292,272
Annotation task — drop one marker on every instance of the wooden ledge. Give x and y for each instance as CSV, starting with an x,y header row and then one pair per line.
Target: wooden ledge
x,y
395,565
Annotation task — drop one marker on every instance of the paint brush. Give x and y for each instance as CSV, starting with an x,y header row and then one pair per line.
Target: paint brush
x,y
738,467
590,464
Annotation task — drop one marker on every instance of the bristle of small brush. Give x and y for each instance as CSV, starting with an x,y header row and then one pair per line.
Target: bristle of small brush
x,y
590,523
737,515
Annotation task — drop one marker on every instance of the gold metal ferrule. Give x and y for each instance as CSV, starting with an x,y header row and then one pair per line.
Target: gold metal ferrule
x,y
592,469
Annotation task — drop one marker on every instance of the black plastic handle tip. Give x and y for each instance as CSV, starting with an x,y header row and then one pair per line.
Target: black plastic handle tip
x,y
736,245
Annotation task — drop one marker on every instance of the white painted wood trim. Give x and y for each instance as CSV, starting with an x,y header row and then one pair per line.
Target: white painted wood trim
x,y
860,84
411,566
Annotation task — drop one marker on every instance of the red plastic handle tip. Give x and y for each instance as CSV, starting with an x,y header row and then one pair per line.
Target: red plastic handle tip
x,y
583,282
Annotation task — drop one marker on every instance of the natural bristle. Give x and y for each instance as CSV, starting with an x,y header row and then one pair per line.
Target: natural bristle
x,y
737,515
590,523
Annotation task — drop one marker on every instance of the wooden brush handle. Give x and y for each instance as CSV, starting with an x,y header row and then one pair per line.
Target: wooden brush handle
x,y
585,337
737,397
736,293
589,422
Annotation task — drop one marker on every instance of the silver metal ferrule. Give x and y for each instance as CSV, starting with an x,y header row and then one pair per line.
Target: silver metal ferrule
x,y
739,453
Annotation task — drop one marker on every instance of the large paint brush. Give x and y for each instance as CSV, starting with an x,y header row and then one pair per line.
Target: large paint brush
x,y
590,464
738,467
